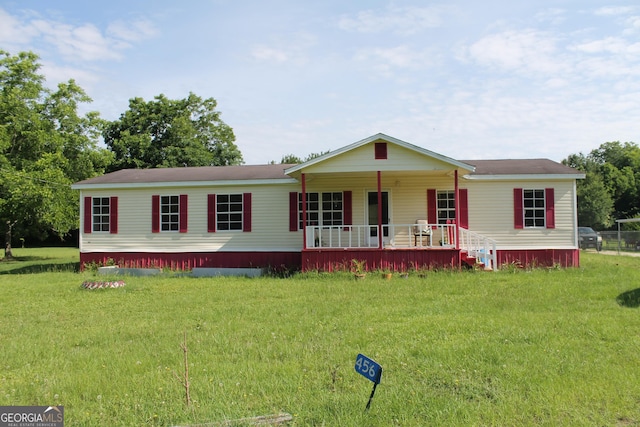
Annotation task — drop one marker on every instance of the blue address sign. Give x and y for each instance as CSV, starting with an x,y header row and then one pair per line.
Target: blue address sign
x,y
368,368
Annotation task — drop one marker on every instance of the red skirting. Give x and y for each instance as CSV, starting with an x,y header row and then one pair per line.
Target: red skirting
x,y
276,261
540,257
327,259
395,259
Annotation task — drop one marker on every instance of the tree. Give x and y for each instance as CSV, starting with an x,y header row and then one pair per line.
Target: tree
x,y
595,204
290,159
45,145
293,159
612,185
171,133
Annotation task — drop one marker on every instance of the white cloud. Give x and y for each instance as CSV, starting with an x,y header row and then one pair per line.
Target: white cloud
x,y
633,25
614,10
85,42
528,51
400,57
553,16
610,45
132,31
399,20
12,31
270,54
294,49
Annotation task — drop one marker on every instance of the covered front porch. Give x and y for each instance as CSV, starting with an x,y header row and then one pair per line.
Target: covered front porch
x,y
383,201
396,247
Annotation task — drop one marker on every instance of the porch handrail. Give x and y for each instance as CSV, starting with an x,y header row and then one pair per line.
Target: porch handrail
x,y
394,236
479,247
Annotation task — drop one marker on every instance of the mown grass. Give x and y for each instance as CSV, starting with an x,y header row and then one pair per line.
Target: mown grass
x,y
512,348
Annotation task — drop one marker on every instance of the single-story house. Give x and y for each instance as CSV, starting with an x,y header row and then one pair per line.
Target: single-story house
x,y
381,200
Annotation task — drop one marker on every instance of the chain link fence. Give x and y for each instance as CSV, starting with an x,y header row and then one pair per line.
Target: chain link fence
x,y
629,240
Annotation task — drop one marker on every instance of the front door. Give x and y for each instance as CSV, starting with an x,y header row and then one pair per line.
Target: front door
x,y
372,199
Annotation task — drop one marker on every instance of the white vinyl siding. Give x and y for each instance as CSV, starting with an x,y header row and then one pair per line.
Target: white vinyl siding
x,y
491,214
270,223
490,205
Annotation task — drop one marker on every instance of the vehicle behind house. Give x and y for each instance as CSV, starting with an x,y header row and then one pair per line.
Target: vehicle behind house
x,y
588,238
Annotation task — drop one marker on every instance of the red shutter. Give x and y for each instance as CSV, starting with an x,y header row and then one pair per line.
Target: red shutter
x,y
88,209
347,202
464,208
550,207
518,208
184,201
432,206
155,213
113,215
380,150
293,211
211,213
246,212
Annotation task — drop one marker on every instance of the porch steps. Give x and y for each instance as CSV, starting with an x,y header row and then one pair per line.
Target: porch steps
x,y
473,261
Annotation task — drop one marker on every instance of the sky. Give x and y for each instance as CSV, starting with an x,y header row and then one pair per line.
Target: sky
x,y
465,79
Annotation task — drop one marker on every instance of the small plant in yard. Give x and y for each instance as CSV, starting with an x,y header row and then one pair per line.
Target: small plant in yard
x,y
358,266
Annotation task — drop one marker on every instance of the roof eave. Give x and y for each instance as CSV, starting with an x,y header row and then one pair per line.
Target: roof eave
x,y
524,177
173,184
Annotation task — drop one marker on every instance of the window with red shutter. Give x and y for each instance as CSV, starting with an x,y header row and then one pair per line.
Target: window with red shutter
x,y
184,207
211,213
88,209
155,214
293,211
113,215
518,209
246,212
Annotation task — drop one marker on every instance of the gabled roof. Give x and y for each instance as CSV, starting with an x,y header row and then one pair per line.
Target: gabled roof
x,y
284,173
204,175
455,164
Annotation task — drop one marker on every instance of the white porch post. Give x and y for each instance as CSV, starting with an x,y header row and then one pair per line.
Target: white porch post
x,y
380,210
457,208
304,211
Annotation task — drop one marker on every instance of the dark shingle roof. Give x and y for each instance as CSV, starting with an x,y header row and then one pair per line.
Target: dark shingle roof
x,y
191,174
276,172
520,167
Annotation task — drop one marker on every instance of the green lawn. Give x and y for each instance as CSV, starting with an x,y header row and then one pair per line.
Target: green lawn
x,y
512,348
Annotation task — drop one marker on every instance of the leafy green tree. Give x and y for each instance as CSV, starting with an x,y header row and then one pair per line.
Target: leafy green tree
x,y
293,159
290,159
171,133
616,167
595,204
45,145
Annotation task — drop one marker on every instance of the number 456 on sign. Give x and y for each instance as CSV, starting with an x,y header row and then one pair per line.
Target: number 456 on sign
x,y
368,368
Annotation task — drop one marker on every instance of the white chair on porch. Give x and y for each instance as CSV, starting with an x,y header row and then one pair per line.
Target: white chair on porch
x,y
421,229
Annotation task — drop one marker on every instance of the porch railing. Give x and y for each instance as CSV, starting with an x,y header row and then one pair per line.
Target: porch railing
x,y
480,247
393,236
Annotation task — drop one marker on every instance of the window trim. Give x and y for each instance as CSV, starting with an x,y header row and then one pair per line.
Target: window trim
x,y
318,218
101,219
112,216
156,213
230,204
213,211
519,210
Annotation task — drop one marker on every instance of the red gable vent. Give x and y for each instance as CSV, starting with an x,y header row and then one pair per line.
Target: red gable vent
x,y
381,150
